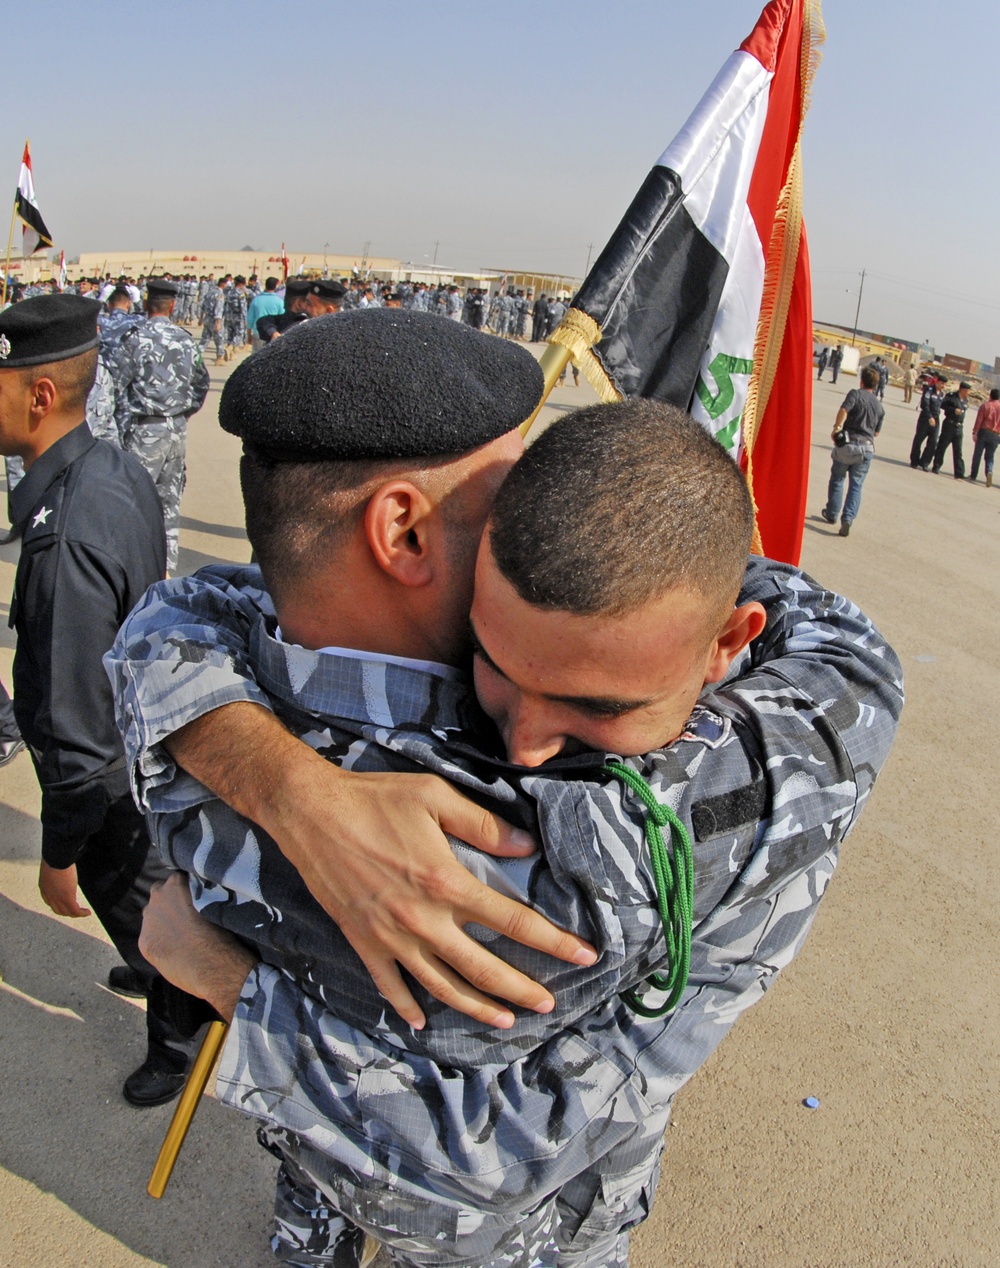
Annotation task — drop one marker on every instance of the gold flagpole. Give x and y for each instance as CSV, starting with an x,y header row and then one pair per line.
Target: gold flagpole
x,y
553,361
10,243
211,1046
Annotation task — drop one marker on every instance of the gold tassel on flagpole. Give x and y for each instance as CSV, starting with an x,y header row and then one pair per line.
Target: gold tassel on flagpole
x,y
572,340
781,261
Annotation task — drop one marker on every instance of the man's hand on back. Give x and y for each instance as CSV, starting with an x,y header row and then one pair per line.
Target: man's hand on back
x,y
189,951
373,852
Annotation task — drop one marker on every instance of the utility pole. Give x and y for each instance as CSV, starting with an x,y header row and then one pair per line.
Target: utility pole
x,y
857,314
435,260
586,271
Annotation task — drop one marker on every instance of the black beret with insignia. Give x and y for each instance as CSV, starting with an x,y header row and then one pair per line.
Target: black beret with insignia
x,y
379,383
47,328
161,286
325,288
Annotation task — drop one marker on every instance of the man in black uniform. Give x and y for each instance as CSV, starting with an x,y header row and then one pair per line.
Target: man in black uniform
x,y
928,420
93,541
954,406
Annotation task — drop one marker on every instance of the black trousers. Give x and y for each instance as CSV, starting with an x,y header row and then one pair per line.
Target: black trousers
x,y
116,870
8,725
924,441
951,434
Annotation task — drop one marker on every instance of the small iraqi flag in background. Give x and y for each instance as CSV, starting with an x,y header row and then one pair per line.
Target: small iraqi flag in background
x,y
34,235
702,297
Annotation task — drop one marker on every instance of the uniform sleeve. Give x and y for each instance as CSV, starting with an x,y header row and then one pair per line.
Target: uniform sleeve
x,y
70,607
182,652
199,383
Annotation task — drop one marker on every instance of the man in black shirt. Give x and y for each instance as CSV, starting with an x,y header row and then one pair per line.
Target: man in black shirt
x,y
858,422
953,406
93,541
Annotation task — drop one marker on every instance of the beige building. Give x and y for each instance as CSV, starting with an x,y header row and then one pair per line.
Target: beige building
x,y
263,263
267,264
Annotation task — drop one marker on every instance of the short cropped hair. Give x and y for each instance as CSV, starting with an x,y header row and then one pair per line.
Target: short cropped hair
x,y
299,513
615,505
869,377
271,284
995,394
73,378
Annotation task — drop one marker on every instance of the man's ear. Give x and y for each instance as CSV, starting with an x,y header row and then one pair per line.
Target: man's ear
x,y
43,399
742,627
397,524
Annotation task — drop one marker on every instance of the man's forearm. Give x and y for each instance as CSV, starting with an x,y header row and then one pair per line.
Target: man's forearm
x,y
244,755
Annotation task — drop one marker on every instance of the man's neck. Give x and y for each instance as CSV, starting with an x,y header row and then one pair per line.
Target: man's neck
x,y
48,435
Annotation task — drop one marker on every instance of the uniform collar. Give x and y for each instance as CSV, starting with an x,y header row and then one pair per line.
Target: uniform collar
x,y
45,470
362,689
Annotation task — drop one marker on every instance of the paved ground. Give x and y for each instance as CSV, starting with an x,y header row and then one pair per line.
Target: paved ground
x,y
888,1016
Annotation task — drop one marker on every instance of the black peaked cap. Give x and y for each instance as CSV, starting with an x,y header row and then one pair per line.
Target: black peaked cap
x,y
161,286
379,384
47,328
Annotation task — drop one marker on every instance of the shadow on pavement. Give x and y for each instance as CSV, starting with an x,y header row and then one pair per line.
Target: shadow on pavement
x,y
67,1045
218,530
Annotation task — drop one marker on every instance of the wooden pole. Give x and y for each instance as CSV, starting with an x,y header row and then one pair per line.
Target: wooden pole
x,y
208,1054
10,243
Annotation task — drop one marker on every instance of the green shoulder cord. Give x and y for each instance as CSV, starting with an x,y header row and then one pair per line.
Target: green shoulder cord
x,y
674,876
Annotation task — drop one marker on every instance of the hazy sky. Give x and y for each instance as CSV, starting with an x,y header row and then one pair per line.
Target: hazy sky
x,y
514,134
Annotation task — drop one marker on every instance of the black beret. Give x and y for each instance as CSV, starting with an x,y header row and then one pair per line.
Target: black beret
x,y
161,286
327,287
47,328
296,286
379,383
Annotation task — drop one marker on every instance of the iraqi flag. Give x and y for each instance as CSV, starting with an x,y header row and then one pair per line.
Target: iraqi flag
x,y
702,297
34,235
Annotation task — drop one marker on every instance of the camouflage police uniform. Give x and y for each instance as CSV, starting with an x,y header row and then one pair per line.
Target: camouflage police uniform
x,y
112,325
235,310
522,306
160,376
101,415
213,305
554,315
461,1144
